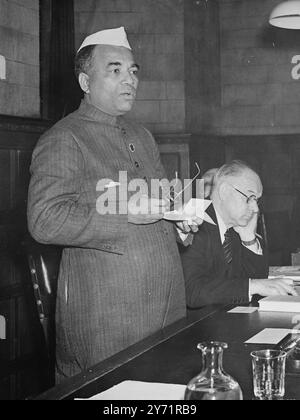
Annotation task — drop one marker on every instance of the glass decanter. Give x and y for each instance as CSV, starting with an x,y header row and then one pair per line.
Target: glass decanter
x,y
213,383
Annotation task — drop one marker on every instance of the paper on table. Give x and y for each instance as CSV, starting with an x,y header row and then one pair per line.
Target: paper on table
x,y
136,390
242,310
269,336
288,270
194,207
296,279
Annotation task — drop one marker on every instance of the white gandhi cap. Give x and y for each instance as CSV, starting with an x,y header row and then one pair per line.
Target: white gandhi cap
x,y
116,37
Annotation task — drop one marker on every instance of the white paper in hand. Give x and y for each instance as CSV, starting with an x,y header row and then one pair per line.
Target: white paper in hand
x,y
194,207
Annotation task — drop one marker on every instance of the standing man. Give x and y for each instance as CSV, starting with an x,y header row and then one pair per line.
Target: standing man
x,y
120,277
226,262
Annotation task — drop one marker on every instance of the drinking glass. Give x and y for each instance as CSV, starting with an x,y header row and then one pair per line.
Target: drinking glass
x,y
268,368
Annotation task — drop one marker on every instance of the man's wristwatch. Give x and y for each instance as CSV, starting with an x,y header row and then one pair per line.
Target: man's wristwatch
x,y
249,243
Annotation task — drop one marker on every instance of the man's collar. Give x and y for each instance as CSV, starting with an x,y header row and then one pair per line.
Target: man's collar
x,y
91,112
222,226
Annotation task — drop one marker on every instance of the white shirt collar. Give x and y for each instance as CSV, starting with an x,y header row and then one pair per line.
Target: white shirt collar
x,y
222,226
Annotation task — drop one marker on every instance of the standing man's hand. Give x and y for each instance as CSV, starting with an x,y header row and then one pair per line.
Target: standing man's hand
x,y
192,225
148,210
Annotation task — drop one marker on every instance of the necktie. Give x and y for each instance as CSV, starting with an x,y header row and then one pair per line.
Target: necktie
x,y
227,247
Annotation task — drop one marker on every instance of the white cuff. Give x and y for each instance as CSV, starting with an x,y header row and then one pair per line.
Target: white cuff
x,y
255,248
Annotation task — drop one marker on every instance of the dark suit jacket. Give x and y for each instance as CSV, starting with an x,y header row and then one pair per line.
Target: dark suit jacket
x,y
209,279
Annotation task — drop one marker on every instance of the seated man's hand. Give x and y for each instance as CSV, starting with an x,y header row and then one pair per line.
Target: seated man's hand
x,y
247,233
191,225
146,211
271,287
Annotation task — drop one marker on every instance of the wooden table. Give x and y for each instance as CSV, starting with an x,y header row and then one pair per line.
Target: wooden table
x,y
171,356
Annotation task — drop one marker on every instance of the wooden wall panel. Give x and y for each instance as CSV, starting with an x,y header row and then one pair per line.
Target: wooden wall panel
x,y
202,66
19,352
7,346
295,165
26,324
19,34
23,159
5,388
5,176
6,268
171,162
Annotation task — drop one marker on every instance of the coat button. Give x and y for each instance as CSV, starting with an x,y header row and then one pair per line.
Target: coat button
x,y
132,147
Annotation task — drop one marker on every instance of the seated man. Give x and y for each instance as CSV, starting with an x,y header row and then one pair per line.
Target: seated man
x,y
226,262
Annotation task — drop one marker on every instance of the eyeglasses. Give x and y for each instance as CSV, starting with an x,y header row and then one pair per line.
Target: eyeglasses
x,y
250,199
173,195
